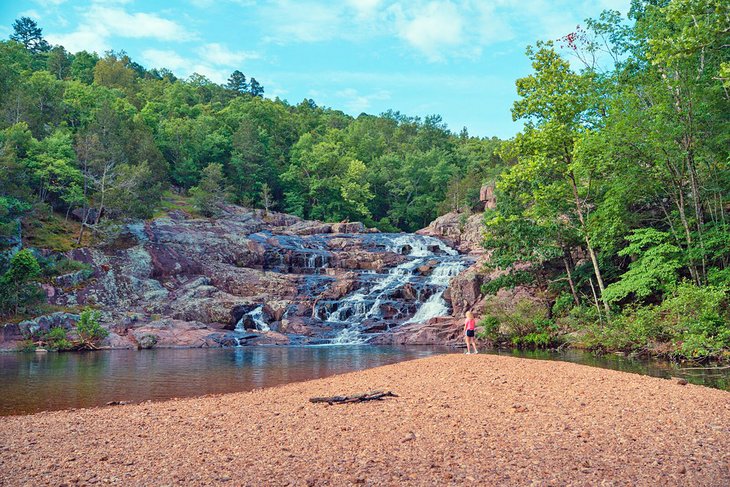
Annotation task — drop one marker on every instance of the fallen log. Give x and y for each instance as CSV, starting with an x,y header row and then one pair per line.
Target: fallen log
x,y
368,396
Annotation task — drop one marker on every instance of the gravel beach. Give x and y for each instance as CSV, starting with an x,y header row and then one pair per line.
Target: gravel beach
x,y
460,419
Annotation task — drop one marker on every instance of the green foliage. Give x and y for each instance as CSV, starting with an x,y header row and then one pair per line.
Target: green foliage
x,y
508,281
692,322
654,269
209,195
106,133
18,292
489,329
89,330
521,325
57,339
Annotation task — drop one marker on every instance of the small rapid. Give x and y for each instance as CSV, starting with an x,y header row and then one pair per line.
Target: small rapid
x,y
425,274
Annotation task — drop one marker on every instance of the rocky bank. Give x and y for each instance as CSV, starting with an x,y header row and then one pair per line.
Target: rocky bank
x,y
249,278
459,419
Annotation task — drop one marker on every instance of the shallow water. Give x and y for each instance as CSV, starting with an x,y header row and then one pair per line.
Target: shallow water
x,y
31,382
716,377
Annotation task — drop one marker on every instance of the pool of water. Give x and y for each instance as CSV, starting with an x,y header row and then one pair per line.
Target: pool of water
x,y
31,382
710,376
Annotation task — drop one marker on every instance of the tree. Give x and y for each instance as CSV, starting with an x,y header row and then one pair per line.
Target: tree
x,y
17,282
209,195
113,71
237,82
266,198
82,67
59,62
27,32
88,329
256,88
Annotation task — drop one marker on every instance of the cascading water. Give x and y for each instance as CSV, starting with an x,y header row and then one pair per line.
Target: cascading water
x,y
367,302
436,305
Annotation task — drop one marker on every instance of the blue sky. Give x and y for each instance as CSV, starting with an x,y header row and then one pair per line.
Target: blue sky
x,y
458,59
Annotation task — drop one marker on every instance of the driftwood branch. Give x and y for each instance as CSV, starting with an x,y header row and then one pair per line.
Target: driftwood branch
x,y
368,396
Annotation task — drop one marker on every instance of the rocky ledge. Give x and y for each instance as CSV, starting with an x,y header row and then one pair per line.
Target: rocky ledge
x,y
248,278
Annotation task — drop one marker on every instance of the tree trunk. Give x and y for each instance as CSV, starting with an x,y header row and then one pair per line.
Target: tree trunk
x,y
570,280
591,252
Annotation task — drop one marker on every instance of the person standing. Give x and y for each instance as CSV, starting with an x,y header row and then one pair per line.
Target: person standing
x,y
470,326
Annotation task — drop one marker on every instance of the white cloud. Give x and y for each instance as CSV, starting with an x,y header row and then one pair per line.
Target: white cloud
x,y
219,54
366,9
50,3
164,58
100,23
357,103
302,21
433,30
185,66
33,14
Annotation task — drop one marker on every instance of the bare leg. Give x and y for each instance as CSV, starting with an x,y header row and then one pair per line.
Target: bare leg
x,y
466,340
474,344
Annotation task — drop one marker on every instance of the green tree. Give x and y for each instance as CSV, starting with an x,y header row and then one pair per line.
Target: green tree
x,y
89,330
27,32
59,62
82,67
237,82
210,194
19,290
256,88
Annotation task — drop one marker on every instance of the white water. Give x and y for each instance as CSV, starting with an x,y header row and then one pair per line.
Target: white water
x,y
436,305
257,315
363,305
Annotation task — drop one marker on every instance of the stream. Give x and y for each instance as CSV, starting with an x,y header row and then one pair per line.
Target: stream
x,y
32,382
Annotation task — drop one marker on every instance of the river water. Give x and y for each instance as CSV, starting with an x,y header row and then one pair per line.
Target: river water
x,y
32,382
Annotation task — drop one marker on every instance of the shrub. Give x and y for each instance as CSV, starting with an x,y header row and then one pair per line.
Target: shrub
x,y
26,346
523,325
489,329
18,292
56,339
692,320
89,330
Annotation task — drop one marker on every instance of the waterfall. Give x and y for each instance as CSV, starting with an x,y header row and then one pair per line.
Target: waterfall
x,y
436,305
257,316
366,304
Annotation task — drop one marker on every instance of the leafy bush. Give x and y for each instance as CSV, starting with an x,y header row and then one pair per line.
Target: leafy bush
x,y
27,345
57,339
653,271
489,329
523,325
89,330
18,292
694,320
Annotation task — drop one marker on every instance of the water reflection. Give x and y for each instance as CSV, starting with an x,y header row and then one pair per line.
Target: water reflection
x,y
36,382
711,377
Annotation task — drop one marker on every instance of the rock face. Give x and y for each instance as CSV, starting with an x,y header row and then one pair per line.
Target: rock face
x,y
487,197
464,231
249,278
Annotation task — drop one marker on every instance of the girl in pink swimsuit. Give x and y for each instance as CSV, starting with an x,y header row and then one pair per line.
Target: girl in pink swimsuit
x,y
470,325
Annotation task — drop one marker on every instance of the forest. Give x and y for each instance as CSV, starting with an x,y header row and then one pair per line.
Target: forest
x,y
612,200
618,187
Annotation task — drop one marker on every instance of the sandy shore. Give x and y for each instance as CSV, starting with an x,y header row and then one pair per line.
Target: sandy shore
x,y
483,419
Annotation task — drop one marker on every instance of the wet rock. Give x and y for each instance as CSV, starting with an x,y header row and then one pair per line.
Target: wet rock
x,y
43,324
147,341
353,227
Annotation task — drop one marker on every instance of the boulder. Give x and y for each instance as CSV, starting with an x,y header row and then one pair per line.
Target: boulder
x,y
487,197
